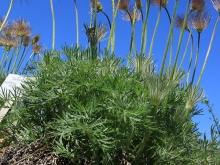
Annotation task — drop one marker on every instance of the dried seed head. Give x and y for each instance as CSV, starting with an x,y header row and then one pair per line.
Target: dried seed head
x,y
138,4
35,39
21,28
157,3
134,13
198,5
98,5
37,48
8,42
8,30
216,4
199,21
95,35
123,4
26,40
179,20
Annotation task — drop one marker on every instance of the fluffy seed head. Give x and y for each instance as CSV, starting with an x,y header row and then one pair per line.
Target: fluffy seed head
x,y
138,4
134,13
198,5
123,4
26,40
8,30
37,48
95,34
21,28
179,20
98,5
35,39
157,3
199,21
216,4
8,42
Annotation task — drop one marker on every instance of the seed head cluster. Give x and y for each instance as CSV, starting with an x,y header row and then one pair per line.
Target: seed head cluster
x,y
162,3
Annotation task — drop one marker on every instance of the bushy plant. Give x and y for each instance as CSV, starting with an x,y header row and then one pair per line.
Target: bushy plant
x,y
96,111
92,108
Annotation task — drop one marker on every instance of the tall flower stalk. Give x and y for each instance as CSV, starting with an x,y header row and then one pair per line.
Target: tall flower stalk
x,y
144,30
53,25
77,24
154,34
111,41
199,21
6,17
208,51
180,38
169,37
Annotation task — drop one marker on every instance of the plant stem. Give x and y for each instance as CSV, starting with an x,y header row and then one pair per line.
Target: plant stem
x,y
8,12
168,14
144,30
109,22
53,26
208,51
187,45
77,24
180,40
191,55
111,41
196,60
168,40
154,34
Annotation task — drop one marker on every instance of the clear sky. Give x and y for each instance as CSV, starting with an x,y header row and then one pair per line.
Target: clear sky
x,y
38,13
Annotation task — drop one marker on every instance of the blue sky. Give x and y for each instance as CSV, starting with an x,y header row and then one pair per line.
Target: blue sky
x,y
38,13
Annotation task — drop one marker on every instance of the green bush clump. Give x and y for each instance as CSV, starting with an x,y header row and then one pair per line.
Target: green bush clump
x,y
95,110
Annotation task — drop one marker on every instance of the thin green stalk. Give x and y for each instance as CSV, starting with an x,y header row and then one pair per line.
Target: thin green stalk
x,y
191,55
8,12
113,27
154,34
144,30
113,35
91,17
16,58
132,36
168,40
187,45
92,45
180,39
77,24
4,60
53,26
208,51
24,53
12,57
196,60
132,30
3,55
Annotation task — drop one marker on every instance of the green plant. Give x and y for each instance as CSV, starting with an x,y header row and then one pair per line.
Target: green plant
x,y
95,109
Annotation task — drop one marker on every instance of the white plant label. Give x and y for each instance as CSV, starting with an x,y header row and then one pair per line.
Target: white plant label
x,y
12,81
